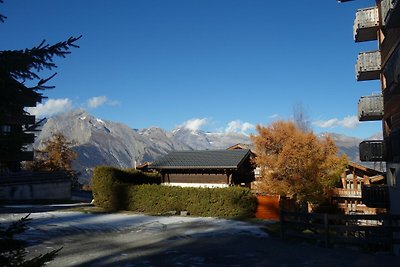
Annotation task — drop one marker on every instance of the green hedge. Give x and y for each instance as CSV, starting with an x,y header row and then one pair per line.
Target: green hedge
x,y
109,185
113,191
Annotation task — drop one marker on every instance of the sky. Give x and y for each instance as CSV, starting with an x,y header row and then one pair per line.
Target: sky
x,y
211,65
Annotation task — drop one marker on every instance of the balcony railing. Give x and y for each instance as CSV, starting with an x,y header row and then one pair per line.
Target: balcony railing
x,y
372,150
23,138
366,24
390,10
19,156
343,192
370,108
368,66
376,196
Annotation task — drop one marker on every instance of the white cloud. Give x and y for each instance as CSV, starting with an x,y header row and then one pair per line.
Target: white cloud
x,y
51,107
97,101
274,116
113,103
349,122
194,124
239,126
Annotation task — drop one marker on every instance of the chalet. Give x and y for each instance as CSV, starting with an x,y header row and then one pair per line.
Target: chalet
x,y
206,168
349,197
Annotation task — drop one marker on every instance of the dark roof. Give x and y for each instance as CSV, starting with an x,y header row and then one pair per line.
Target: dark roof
x,y
202,159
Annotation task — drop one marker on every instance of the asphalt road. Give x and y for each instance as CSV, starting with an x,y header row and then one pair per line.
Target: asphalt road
x,y
140,240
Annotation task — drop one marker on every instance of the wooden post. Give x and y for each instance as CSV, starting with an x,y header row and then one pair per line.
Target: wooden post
x,y
326,226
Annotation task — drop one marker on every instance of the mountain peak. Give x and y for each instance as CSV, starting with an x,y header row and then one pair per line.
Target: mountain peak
x,y
101,142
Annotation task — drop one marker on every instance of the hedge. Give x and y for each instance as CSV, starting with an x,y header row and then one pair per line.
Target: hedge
x,y
112,190
109,183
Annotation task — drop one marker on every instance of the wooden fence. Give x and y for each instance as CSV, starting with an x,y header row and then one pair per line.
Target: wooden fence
x,y
371,231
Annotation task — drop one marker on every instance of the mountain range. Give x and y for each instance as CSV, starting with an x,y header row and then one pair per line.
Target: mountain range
x,y
101,142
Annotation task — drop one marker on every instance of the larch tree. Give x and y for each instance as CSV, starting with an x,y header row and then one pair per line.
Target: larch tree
x,y
56,154
296,163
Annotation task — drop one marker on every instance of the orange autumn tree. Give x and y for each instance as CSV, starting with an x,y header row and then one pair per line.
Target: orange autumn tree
x,y
296,163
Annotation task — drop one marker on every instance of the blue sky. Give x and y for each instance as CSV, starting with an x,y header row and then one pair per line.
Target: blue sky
x,y
214,65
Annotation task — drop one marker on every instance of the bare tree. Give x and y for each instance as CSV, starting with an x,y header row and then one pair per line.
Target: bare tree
x,y
300,117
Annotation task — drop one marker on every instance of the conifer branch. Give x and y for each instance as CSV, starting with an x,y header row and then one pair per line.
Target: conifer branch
x,y
2,17
21,64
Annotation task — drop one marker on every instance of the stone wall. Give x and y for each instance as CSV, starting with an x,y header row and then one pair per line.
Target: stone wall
x,y
35,187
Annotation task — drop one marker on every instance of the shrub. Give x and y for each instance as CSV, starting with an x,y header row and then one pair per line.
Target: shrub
x,y
116,189
109,185
209,202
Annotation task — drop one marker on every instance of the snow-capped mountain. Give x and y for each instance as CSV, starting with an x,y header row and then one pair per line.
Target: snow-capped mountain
x,y
101,142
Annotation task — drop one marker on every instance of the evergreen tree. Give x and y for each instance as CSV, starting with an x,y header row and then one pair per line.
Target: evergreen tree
x,y
12,250
16,67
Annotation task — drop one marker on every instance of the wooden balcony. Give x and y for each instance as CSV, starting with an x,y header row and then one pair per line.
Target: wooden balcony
x,y
18,119
370,108
366,24
376,196
368,66
372,150
390,10
19,156
346,193
23,138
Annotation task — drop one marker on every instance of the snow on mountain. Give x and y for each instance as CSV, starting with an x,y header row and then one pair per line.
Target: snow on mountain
x,y
101,142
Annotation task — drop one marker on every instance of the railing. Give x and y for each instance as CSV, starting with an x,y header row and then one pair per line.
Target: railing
x,y
371,231
343,192
372,150
366,24
376,196
370,108
368,65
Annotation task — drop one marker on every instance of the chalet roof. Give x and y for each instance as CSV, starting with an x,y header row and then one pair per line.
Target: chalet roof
x,y
202,159
363,168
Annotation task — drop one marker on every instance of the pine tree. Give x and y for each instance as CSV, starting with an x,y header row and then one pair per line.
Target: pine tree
x,y
13,250
16,125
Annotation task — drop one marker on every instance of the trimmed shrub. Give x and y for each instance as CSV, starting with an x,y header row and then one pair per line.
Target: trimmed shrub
x,y
110,185
116,189
208,202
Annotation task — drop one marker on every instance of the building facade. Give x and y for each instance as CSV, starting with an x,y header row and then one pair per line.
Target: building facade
x,y
381,23
206,168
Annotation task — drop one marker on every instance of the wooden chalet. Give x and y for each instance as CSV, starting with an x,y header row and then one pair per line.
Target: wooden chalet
x,y
349,197
206,168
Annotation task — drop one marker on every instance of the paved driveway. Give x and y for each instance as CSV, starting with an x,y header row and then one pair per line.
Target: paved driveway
x,y
140,240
